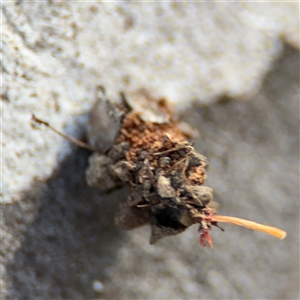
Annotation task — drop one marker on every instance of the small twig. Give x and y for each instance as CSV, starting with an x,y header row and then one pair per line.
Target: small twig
x,y
180,161
180,147
67,137
143,205
251,225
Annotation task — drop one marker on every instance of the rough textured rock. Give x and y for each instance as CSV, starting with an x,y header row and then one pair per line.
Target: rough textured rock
x,y
55,54
57,235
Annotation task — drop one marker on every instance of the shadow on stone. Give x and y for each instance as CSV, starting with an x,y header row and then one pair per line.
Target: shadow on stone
x,y
72,239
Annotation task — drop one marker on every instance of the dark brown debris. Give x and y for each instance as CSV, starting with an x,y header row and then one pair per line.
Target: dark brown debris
x,y
165,174
163,170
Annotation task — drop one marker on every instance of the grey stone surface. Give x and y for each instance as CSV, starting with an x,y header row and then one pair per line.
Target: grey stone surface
x,y
55,54
57,236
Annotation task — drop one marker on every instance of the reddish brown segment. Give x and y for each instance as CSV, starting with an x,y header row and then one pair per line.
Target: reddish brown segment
x,y
145,135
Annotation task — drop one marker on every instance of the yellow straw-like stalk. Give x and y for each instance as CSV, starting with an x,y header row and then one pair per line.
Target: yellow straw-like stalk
x,y
251,225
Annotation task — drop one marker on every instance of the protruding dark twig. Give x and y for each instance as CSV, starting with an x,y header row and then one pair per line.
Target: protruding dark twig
x,y
67,137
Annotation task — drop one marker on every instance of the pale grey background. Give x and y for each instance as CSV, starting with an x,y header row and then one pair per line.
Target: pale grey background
x,y
57,233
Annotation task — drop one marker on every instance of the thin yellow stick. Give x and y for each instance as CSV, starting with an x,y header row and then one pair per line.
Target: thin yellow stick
x,y
251,225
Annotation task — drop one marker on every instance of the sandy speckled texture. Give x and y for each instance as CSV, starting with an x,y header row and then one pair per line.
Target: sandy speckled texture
x,y
57,235
54,55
